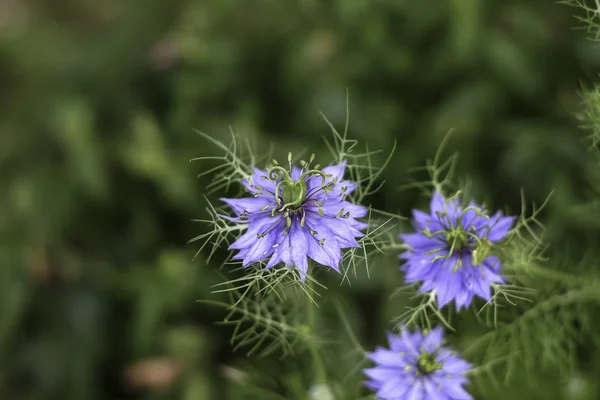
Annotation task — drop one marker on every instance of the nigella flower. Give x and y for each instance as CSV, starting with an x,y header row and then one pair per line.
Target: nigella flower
x,y
417,366
296,214
450,252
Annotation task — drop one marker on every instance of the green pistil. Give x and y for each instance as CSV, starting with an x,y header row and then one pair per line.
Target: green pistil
x,y
458,240
293,193
426,364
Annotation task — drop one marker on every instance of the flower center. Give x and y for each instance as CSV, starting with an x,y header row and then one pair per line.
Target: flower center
x,y
457,238
293,192
426,364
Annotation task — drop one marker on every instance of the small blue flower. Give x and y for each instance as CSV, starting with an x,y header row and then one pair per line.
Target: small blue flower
x,y
296,214
450,252
417,367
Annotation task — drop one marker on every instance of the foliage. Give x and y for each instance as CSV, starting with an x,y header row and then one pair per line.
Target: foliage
x,y
98,109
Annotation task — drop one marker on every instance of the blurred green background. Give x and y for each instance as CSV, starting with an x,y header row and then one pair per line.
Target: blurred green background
x,y
98,102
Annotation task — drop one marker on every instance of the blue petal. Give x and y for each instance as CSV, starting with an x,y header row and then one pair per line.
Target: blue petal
x,y
336,231
296,173
382,373
455,365
257,226
394,388
387,358
455,391
416,392
298,248
433,340
447,284
470,216
327,254
423,220
433,391
251,205
422,267
280,240
411,341
395,342
261,249
500,228
463,298
337,171
355,210
449,208
240,255
421,242
373,384
261,179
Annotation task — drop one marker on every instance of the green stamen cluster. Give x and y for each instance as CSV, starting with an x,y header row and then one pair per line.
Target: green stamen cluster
x,y
291,194
426,364
458,239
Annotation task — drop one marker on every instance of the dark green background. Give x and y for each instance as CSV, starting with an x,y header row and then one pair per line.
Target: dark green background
x,y
98,102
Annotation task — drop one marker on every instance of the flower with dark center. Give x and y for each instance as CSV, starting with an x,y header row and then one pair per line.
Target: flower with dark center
x,y
417,366
451,251
295,214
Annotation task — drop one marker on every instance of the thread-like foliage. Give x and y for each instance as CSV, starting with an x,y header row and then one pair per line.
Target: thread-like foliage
x,y
590,20
263,325
547,335
590,114
523,245
237,163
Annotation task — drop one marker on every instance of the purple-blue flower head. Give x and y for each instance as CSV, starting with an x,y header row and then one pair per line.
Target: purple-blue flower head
x,y
295,214
417,366
450,252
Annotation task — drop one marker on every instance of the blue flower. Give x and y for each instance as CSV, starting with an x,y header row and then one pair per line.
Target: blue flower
x,y
450,252
295,214
417,367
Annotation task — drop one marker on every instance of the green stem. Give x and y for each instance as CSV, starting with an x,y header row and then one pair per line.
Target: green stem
x,y
317,361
